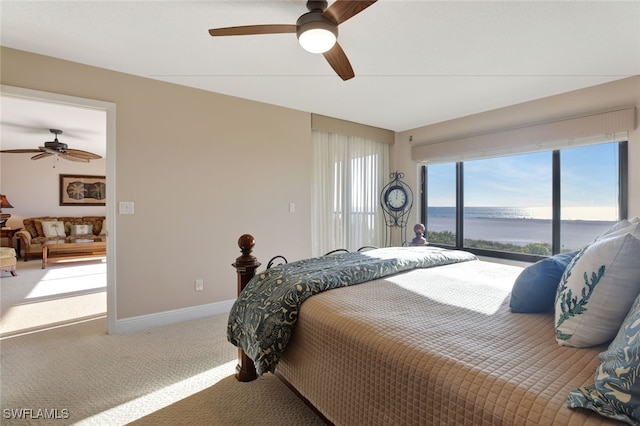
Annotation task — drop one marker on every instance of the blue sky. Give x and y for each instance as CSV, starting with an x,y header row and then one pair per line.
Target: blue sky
x,y
589,178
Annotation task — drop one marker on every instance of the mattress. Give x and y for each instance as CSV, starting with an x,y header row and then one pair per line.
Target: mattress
x,y
435,346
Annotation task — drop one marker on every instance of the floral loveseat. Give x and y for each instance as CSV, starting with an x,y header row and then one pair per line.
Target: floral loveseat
x,y
38,230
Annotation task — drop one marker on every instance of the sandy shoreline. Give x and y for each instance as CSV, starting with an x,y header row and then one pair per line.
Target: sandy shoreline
x,y
575,234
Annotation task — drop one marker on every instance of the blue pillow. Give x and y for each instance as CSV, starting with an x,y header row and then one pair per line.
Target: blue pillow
x,y
616,389
535,288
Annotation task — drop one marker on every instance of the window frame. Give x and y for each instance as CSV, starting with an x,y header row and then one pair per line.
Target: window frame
x,y
623,196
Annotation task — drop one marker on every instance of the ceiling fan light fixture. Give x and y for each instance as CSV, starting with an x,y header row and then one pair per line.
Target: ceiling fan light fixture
x,y
317,30
317,40
315,33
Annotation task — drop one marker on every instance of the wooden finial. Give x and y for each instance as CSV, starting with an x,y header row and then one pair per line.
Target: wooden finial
x,y
419,239
246,242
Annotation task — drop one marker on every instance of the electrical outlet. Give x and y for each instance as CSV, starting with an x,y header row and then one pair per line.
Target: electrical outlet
x,y
199,285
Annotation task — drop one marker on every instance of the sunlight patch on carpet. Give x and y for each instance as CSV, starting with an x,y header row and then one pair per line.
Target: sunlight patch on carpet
x,y
154,401
70,279
29,316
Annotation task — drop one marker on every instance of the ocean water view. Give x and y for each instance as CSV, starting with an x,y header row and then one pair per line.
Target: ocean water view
x,y
521,226
567,213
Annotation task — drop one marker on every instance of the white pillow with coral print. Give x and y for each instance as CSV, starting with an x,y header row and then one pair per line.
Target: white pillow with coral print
x,y
597,289
81,229
622,227
53,229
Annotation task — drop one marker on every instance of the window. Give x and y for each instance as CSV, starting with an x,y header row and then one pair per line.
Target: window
x,y
348,175
589,181
441,204
507,203
526,206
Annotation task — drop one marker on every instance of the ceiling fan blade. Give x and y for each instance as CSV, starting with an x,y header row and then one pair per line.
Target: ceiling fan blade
x,y
339,62
20,151
41,155
70,157
253,29
341,10
82,154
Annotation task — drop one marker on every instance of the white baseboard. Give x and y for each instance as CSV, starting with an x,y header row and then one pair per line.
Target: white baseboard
x,y
142,322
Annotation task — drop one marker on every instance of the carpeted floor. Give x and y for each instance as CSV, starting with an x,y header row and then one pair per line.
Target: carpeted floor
x,y
60,294
265,401
172,375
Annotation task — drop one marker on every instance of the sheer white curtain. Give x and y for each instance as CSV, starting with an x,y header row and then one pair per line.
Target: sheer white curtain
x,y
348,174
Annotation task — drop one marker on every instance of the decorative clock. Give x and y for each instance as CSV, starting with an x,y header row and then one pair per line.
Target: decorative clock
x,y
396,200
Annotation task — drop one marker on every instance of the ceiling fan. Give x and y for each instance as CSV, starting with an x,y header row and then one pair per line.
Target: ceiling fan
x,y
58,148
317,30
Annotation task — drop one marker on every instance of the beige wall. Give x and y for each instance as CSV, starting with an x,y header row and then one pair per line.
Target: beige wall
x,y
33,187
201,168
204,168
618,94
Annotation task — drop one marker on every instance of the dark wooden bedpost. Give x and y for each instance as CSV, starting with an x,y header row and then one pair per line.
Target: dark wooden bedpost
x,y
246,266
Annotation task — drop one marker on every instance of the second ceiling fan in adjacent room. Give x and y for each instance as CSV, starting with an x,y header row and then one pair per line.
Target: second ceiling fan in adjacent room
x,y
55,147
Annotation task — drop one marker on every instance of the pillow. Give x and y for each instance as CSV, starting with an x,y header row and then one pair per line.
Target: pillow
x,y
536,287
30,227
624,223
38,225
81,229
597,289
616,389
53,229
619,227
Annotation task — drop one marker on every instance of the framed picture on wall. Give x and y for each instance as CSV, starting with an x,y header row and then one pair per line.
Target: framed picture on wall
x,y
83,190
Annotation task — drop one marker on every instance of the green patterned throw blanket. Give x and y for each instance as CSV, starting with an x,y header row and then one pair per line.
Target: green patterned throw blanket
x,y
262,319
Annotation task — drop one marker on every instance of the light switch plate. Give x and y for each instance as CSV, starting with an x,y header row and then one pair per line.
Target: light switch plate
x,y
126,207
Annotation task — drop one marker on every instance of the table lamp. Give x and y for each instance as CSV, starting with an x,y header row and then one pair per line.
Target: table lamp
x,y
4,204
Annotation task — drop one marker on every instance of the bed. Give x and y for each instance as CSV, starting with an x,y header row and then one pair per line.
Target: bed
x,y
435,344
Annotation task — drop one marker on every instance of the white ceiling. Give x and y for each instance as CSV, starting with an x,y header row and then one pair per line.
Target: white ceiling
x,y
26,123
416,62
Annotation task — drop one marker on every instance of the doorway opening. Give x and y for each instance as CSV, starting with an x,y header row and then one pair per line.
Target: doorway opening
x,y
90,282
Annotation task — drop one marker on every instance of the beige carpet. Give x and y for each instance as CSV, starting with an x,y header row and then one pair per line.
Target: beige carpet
x,y
265,401
178,374
59,294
